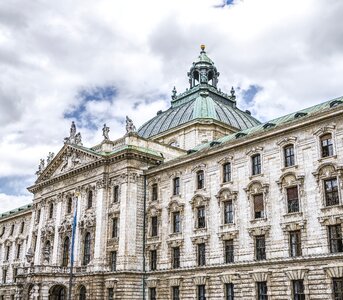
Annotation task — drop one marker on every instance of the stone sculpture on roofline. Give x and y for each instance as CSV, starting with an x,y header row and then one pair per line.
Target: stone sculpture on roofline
x,y
105,132
74,138
129,126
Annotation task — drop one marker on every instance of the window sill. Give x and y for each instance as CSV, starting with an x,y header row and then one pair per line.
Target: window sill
x,y
200,230
293,215
337,207
327,158
227,226
256,176
289,168
260,220
200,190
226,183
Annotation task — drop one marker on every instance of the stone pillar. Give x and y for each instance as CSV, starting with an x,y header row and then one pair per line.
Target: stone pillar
x,y
99,239
57,223
35,292
44,292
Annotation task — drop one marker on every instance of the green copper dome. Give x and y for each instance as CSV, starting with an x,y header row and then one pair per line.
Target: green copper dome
x,y
203,101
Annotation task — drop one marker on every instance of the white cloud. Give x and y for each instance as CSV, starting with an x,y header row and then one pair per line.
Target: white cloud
x,y
49,52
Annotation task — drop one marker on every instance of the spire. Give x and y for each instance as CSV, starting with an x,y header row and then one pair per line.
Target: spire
x,y
203,71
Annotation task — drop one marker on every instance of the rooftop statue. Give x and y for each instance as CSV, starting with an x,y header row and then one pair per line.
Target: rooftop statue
x,y
74,138
41,167
129,125
105,131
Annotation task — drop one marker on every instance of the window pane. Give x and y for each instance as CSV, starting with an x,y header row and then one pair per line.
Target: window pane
x,y
176,187
331,192
154,226
201,217
338,288
258,206
298,290
262,292
260,245
295,243
176,293
200,179
292,199
326,145
256,164
289,155
226,172
201,292
154,192
153,260
335,238
176,222
201,254
229,291
229,251
176,257
228,212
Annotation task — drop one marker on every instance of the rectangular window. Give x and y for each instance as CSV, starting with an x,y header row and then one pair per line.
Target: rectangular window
x,y
229,291
18,251
38,216
12,229
201,217
335,238
176,186
292,199
113,261
69,205
258,206
260,244
154,192
176,257
201,292
152,293
228,212
298,290
289,155
15,274
4,276
331,192
114,227
116,193
51,210
22,227
227,172
326,145
256,164
200,180
176,222
338,288
154,226
295,243
229,251
201,254
176,293
8,250
110,294
153,260
262,291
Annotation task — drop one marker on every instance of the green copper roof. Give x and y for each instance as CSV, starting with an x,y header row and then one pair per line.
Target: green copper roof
x,y
201,102
15,211
275,123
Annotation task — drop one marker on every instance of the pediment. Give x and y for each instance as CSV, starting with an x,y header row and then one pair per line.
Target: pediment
x,y
68,158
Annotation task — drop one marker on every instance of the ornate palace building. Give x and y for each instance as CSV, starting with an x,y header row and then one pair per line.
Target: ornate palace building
x,y
202,202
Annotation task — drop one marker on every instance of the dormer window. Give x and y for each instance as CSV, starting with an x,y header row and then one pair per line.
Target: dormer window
x,y
326,145
256,164
200,180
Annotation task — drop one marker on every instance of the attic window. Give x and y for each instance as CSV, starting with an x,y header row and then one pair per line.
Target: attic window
x,y
268,125
214,143
299,115
190,151
335,103
240,134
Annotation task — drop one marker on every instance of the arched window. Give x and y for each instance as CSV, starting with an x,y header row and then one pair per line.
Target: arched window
x,y
82,293
87,249
90,199
69,205
65,257
51,210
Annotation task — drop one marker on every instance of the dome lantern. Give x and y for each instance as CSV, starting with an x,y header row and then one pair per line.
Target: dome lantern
x,y
203,71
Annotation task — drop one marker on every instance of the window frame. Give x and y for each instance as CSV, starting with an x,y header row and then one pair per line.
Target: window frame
x,y
113,261
115,194
295,247
228,213
89,199
65,252
87,252
153,260
262,213
293,204
289,158
175,293
154,226
114,227
176,186
336,242
154,192
201,292
201,217
337,294
229,291
333,193
328,149
229,251
201,254
260,250
200,180
176,252
298,289
176,215
226,172
262,290
256,164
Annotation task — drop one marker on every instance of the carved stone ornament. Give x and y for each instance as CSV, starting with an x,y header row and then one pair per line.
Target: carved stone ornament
x,y
297,274
254,150
152,246
229,277
175,281
200,239
226,194
327,170
47,231
129,125
257,187
331,220
287,140
152,282
260,276
293,226
105,132
200,279
225,159
228,235
71,160
87,221
261,230
199,200
291,179
324,129
334,271
65,226
172,243
175,206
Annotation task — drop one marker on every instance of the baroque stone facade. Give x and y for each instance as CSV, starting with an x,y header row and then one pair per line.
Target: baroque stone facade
x,y
202,202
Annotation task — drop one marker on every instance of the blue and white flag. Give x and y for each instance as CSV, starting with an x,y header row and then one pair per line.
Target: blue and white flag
x,y
73,233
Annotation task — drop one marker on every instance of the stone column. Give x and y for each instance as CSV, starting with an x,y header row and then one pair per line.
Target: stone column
x,y
57,224
99,238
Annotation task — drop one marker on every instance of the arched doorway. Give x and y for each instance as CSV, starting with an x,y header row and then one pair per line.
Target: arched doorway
x,y
58,292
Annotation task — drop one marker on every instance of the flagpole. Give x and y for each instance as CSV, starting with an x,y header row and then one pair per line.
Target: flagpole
x,y
72,248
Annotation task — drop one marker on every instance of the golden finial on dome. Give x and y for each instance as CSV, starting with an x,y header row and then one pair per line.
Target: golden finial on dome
x,y
202,47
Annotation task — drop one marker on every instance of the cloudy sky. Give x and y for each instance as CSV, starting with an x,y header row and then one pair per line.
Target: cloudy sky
x,y
96,61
